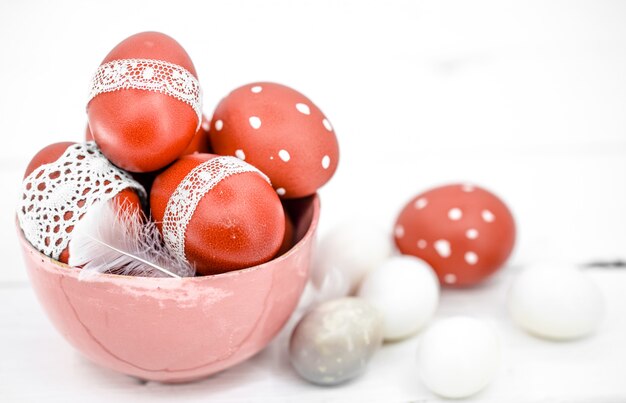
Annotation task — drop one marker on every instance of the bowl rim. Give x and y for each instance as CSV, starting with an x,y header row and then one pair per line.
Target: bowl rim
x,y
71,270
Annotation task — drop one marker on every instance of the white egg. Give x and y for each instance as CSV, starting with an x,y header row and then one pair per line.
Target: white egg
x,y
555,301
347,253
457,357
406,291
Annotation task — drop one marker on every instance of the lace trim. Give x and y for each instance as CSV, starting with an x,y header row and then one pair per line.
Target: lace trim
x,y
150,75
198,182
56,195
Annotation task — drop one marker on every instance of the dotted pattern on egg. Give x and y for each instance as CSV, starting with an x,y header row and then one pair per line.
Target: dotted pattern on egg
x,y
281,132
464,232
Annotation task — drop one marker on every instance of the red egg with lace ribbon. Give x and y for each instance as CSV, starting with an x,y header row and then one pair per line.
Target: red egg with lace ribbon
x,y
218,213
60,183
145,102
199,143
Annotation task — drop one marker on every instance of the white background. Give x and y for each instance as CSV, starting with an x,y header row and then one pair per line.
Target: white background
x,y
527,99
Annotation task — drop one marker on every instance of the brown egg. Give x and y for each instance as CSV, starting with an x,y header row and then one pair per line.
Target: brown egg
x,y
279,131
145,103
218,213
465,233
60,183
200,141
288,237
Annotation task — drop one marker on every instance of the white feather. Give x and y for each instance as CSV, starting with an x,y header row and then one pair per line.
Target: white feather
x,y
117,240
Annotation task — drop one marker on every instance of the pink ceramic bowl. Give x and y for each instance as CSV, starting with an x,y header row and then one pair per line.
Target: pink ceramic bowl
x,y
176,330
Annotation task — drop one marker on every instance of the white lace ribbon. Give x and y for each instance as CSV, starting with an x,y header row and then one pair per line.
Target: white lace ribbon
x,y
150,75
56,195
198,182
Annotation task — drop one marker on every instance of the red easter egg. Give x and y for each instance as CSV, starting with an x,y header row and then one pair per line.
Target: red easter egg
x,y
199,144
288,237
145,102
464,232
218,213
146,178
62,194
279,131
200,141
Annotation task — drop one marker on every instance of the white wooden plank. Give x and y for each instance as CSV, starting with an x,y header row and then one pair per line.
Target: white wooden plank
x,y
37,364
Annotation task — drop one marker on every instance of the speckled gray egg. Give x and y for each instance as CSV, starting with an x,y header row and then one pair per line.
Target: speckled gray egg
x,y
334,342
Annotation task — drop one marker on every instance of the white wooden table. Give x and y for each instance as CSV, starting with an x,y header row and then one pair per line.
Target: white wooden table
x,y
38,365
525,98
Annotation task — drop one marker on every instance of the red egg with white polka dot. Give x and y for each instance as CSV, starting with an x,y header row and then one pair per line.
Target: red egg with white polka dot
x,y
218,213
145,102
279,131
464,232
